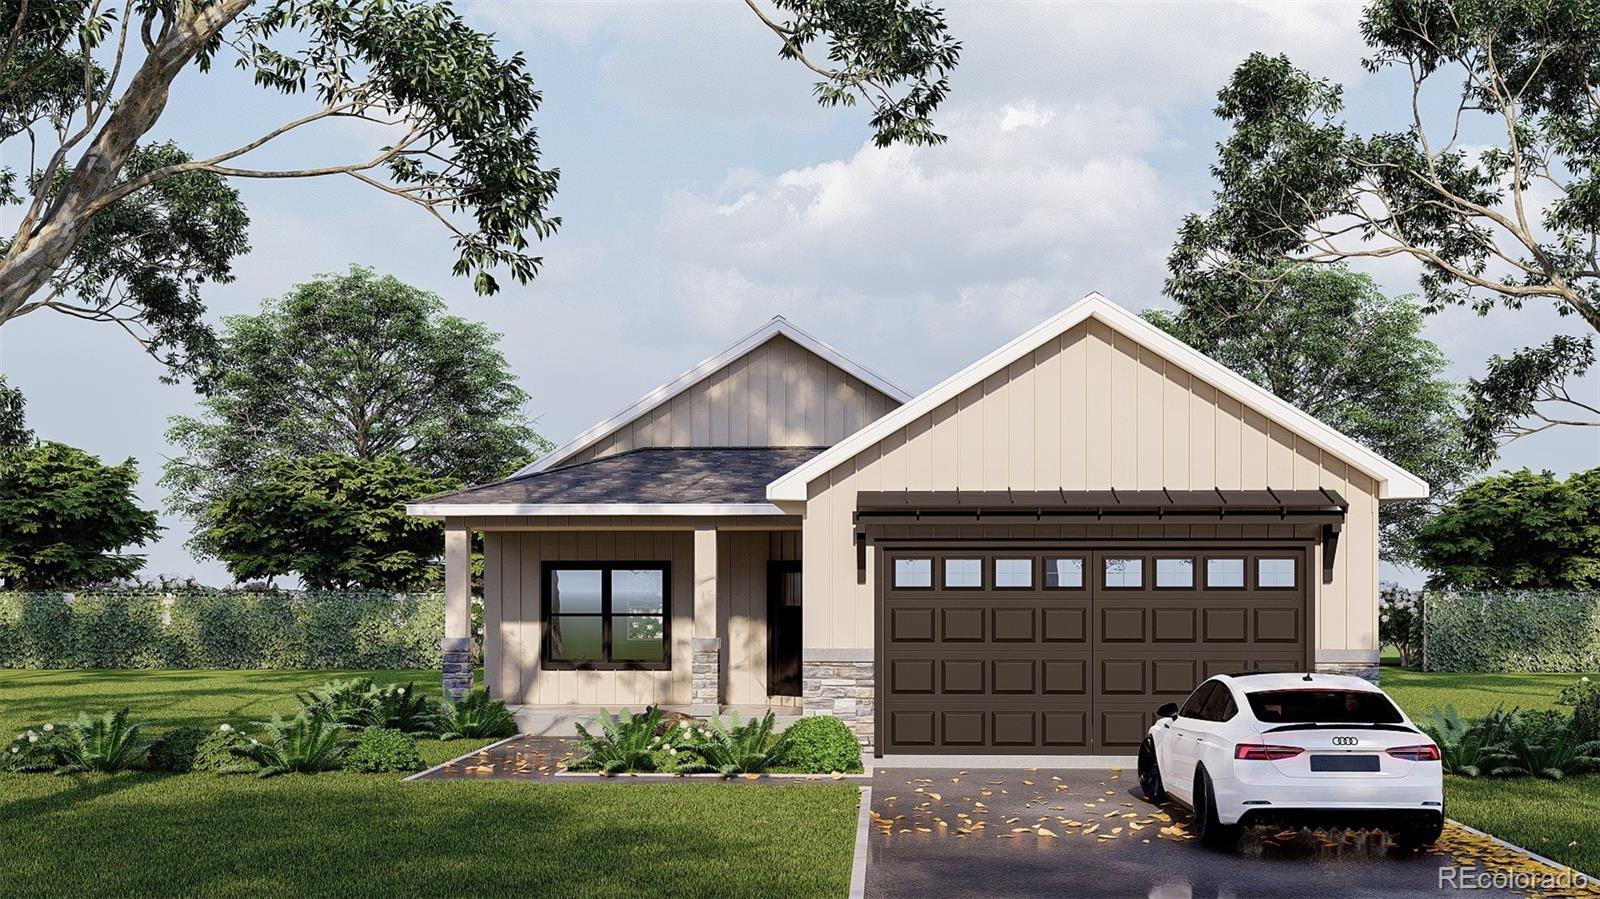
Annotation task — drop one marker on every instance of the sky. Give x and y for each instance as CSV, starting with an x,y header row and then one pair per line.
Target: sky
x,y
703,191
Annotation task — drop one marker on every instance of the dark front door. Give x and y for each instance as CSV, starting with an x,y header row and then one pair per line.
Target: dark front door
x,y
783,628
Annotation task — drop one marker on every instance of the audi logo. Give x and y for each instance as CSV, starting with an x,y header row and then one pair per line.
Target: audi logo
x,y
1345,741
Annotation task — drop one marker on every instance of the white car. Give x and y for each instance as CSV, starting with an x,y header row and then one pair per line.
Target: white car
x,y
1275,748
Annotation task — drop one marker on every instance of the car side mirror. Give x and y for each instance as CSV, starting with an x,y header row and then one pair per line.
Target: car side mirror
x,y
1170,710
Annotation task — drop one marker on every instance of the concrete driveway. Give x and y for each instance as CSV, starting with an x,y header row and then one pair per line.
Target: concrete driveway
x,y
1075,832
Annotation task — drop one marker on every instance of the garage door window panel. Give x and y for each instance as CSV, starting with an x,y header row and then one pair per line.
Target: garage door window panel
x,y
1122,573
1063,573
963,573
1013,574
1276,573
1174,573
913,574
1225,573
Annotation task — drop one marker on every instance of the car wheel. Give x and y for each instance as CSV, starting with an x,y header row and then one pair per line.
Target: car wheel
x,y
1210,831
1416,834
1149,774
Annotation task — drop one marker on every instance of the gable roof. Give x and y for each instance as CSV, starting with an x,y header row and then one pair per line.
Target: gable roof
x,y
778,327
1394,482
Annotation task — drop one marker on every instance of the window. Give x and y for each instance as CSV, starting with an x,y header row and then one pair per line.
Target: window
x,y
963,573
1225,573
913,572
1219,705
1323,707
1124,572
1274,572
1194,706
607,616
1013,572
1174,572
1062,574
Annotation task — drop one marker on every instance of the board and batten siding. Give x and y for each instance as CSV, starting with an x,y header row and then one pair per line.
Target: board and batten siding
x,y
513,623
778,394
1091,409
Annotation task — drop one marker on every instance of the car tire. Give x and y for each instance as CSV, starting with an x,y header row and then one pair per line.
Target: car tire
x,y
1208,829
1150,773
1414,835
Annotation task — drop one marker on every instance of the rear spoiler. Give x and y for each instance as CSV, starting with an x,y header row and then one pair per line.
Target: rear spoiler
x,y
1310,725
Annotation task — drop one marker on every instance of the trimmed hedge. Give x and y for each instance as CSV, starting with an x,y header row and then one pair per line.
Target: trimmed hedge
x,y
1529,630
220,629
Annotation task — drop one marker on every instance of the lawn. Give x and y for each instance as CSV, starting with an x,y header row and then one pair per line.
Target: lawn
x,y
1472,694
342,834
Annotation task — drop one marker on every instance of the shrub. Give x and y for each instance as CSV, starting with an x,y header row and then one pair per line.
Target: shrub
x,y
735,748
476,716
1532,630
175,750
35,749
821,744
626,742
382,749
1464,745
107,743
1543,744
219,753
306,745
358,704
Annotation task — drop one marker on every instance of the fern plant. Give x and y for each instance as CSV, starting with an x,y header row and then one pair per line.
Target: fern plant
x,y
35,749
1543,744
626,742
336,700
358,703
308,744
105,743
476,716
735,748
1464,744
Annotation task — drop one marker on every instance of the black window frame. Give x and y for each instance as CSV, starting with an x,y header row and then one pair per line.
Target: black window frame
x,y
606,617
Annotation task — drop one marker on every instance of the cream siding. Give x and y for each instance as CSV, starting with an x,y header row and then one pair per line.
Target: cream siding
x,y
778,394
1096,410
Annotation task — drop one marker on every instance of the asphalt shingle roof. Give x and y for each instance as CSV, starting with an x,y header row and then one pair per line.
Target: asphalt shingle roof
x,y
652,475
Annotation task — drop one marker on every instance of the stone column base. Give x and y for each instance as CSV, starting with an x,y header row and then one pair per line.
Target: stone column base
x,y
1364,671
457,666
705,678
844,690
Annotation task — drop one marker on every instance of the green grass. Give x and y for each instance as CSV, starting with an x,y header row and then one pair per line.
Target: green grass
x,y
143,834
1472,694
1559,819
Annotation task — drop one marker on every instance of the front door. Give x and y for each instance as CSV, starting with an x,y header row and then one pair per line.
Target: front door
x,y
783,628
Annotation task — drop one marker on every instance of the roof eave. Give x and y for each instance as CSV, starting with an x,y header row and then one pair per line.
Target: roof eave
x,y
459,510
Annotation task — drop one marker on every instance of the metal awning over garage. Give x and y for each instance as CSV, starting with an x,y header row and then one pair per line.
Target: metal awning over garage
x,y
877,510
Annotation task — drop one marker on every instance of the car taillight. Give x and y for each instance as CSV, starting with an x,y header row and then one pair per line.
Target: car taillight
x,y
1263,752
1424,753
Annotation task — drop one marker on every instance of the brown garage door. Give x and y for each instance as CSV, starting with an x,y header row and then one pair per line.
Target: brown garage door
x,y
1072,650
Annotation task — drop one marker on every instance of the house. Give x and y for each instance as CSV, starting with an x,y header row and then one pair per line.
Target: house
x,y
1028,558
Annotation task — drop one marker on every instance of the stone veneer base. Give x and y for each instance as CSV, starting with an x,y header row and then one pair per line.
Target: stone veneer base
x,y
844,690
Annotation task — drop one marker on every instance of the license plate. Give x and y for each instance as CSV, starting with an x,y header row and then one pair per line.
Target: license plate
x,y
1344,763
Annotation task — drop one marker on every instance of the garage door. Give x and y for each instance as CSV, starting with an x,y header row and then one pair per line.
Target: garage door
x,y
1071,651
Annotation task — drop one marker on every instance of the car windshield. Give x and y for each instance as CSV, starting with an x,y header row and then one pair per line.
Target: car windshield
x,y
1323,707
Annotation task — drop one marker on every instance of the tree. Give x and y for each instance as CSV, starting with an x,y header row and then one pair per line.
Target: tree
x,y
14,431
357,364
113,229
65,518
1400,623
337,521
1518,530
1334,346
1497,199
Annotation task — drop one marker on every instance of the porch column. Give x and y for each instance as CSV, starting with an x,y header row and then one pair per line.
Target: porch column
x,y
457,644
706,671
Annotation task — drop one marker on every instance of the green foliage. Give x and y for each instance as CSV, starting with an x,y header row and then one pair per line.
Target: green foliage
x,y
221,752
1294,180
359,704
105,743
1329,342
1509,400
306,745
1578,692
873,48
221,629
733,748
822,744
14,431
40,748
626,742
1520,530
380,749
1542,744
65,517
336,521
176,750
476,716
1464,745
1525,630
1400,623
